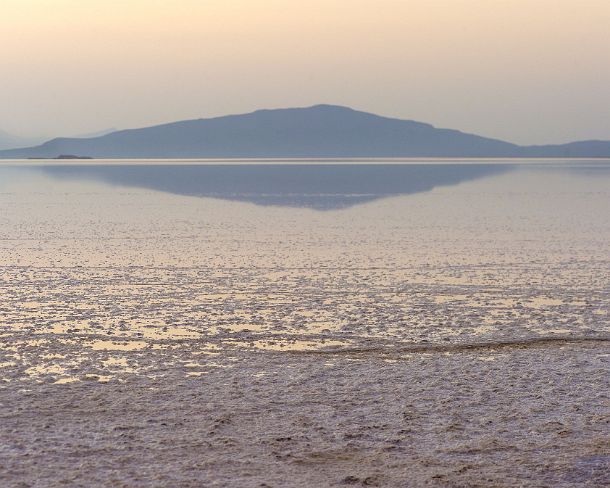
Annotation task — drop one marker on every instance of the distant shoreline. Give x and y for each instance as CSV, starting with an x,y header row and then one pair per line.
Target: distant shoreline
x,y
293,161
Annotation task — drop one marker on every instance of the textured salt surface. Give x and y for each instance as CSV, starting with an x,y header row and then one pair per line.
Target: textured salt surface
x,y
534,416
457,337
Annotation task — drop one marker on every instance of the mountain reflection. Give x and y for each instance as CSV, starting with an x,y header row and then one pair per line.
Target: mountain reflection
x,y
320,187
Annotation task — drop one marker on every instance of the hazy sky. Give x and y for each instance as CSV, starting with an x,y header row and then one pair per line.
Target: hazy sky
x,y
523,70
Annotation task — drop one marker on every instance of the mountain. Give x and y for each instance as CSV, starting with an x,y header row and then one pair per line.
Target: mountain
x,y
8,141
580,149
321,131
91,135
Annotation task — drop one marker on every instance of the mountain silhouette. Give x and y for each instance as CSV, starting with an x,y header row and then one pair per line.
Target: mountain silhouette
x,y
321,131
8,141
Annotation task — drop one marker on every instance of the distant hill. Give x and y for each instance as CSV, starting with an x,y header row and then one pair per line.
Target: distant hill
x,y
321,131
9,141
91,135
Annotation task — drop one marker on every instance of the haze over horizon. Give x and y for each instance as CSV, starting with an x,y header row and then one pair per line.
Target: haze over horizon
x,y
522,71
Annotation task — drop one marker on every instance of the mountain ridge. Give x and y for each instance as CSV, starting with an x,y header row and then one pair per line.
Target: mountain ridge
x,y
8,140
319,131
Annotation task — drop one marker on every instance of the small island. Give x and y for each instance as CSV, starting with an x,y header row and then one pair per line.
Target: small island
x,y
67,156
72,156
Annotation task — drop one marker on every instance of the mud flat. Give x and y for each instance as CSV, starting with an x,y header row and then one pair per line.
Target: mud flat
x,y
157,339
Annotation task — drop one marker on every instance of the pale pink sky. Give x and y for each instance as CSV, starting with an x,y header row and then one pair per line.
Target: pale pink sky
x,y
523,70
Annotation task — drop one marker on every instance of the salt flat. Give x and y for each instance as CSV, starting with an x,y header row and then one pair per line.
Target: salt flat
x,y
451,332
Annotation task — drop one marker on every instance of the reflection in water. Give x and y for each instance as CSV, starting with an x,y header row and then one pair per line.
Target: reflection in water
x,y
320,187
